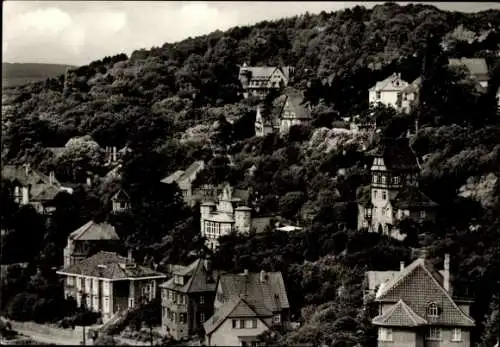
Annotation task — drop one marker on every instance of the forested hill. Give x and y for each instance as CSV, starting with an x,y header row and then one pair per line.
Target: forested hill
x,y
15,74
336,47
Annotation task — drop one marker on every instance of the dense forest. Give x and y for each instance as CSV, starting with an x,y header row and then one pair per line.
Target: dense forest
x,y
183,102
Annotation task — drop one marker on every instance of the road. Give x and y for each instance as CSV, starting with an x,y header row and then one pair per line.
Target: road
x,y
47,338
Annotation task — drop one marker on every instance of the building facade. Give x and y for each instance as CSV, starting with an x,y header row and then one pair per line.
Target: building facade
x,y
416,308
258,81
109,283
393,194
120,201
187,299
184,180
246,305
222,218
89,239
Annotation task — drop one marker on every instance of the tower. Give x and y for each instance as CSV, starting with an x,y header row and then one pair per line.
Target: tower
x,y
205,210
243,219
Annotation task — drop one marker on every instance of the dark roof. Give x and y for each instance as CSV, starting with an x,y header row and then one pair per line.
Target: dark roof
x,y
234,308
242,194
109,265
33,177
265,297
120,195
192,169
95,231
46,193
294,99
261,223
397,154
418,285
173,177
399,315
410,197
200,280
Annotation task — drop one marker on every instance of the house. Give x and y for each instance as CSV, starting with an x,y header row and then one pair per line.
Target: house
x,y
288,109
393,194
389,91
187,299
411,95
89,239
220,219
257,81
416,308
109,283
113,156
184,180
30,186
477,68
245,306
120,201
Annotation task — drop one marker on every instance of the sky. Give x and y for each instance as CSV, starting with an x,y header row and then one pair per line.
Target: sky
x,y
78,32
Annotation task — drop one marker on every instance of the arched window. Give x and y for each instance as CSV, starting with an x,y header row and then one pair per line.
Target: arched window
x,y
433,310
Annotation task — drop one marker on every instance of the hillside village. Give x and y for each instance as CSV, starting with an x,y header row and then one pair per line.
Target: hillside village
x,y
223,191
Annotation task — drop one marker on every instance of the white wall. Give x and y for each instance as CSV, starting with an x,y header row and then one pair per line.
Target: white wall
x,y
225,335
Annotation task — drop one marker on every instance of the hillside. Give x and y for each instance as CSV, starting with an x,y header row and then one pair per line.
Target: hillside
x,y
16,74
171,106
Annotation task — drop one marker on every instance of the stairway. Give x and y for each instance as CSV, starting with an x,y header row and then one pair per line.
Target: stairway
x,y
115,319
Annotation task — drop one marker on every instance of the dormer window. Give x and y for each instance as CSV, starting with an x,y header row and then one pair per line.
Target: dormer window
x,y
378,95
433,310
396,180
179,280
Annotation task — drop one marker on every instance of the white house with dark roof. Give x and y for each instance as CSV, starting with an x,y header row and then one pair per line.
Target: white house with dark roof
x,y
393,194
109,283
120,201
388,92
187,298
246,305
416,308
88,240
257,81
220,219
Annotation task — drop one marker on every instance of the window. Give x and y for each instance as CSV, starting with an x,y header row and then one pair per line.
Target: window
x,y
433,310
131,302
254,323
456,335
70,281
202,299
396,180
422,214
433,334
375,194
242,324
179,280
384,179
202,317
384,195
106,304
384,334
182,318
277,318
235,324
378,95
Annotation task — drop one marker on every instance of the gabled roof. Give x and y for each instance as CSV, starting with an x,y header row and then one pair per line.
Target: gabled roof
x,y
397,154
33,177
234,308
419,285
391,83
414,86
410,197
264,72
57,151
399,315
200,280
265,297
477,66
173,177
120,195
47,193
110,265
260,224
192,169
95,231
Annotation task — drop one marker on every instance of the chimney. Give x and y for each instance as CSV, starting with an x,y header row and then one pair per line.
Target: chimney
x,y
130,258
245,272
401,265
114,153
89,181
263,276
446,272
51,177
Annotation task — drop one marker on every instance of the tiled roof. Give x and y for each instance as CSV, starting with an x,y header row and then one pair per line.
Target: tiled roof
x,y
412,197
95,231
419,285
192,169
399,315
173,177
259,72
109,265
46,193
477,66
200,280
397,154
234,308
34,177
391,83
265,297
294,100
414,86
